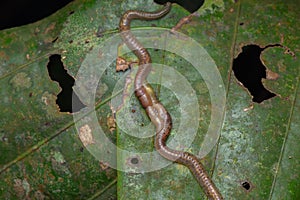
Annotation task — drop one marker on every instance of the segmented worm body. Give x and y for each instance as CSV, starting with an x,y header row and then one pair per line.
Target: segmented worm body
x,y
155,110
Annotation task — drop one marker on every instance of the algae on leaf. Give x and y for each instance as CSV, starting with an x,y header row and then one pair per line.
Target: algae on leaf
x,y
43,155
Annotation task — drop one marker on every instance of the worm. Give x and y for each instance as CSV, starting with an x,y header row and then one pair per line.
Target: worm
x,y
157,113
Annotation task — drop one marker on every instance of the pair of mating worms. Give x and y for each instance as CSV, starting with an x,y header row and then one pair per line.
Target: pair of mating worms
x,y
158,115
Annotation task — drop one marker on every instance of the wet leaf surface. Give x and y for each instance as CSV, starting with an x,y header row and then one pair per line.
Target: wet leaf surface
x,y
45,154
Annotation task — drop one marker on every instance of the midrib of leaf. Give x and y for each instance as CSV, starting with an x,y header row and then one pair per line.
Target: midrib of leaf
x,y
285,137
99,193
227,87
234,40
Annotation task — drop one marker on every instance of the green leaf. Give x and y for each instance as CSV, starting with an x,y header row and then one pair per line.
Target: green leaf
x,y
43,152
42,156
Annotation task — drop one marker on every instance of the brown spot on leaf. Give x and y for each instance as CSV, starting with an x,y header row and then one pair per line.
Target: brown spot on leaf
x,y
50,28
122,64
104,165
85,135
111,123
271,75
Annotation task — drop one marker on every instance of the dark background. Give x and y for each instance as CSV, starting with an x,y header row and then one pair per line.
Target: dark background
x,y
189,5
20,12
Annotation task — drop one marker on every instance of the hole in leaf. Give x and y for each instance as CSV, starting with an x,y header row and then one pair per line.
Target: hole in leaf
x,y
54,40
249,70
246,185
134,161
67,100
190,6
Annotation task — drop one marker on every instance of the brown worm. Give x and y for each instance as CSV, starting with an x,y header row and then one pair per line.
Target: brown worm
x,y
155,110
